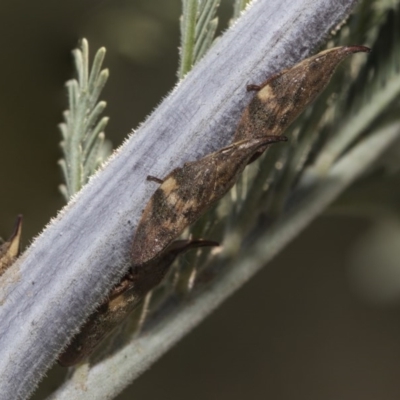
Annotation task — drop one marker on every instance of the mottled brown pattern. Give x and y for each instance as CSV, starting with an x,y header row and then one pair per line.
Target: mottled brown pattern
x,y
9,250
123,299
186,193
282,97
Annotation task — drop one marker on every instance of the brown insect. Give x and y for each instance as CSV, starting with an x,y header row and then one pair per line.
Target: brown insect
x,y
282,97
122,300
188,192
9,250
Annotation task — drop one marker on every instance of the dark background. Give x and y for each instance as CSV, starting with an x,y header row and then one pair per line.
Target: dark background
x,y
303,329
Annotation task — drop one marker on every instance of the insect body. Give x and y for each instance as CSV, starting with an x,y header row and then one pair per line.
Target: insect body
x,y
122,300
282,97
187,192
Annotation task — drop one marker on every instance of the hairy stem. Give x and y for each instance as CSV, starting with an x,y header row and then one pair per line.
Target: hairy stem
x,y
49,292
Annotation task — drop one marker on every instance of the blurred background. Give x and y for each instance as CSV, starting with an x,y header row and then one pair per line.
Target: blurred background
x,y
320,322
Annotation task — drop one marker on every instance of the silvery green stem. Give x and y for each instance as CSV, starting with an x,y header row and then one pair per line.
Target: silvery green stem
x,y
49,292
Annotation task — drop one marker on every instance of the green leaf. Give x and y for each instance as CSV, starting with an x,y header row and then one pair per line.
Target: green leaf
x,y
198,26
83,144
